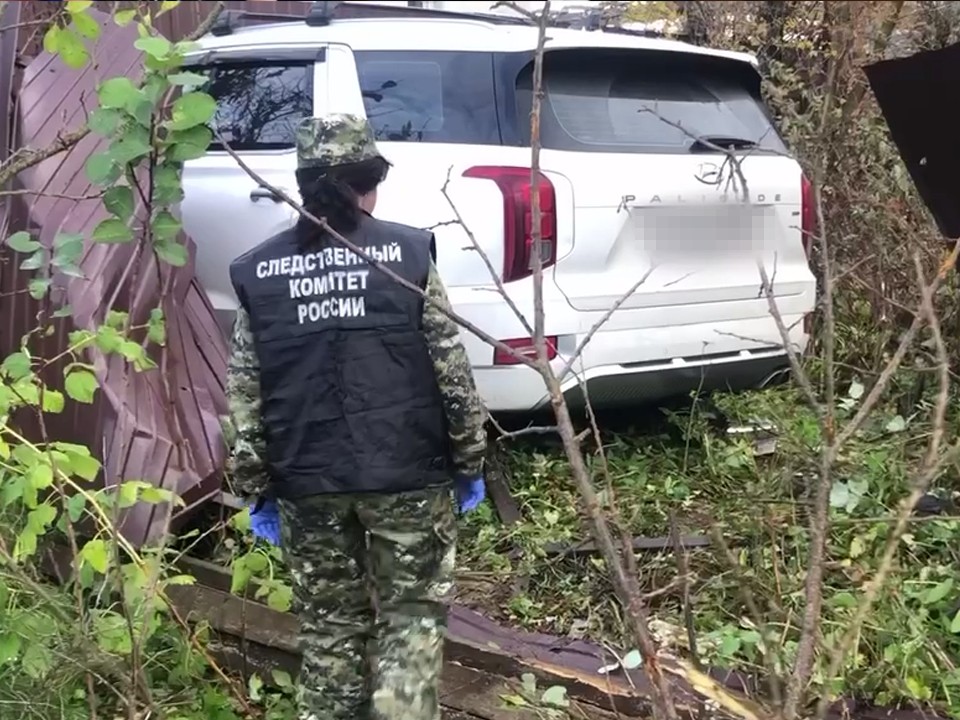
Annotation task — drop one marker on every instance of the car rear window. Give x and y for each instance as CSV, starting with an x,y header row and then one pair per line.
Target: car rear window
x,y
437,97
259,103
644,102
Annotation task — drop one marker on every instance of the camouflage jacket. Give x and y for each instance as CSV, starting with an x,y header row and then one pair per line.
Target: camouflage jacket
x,y
464,409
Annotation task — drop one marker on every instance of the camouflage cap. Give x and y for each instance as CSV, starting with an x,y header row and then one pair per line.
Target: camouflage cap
x,y
334,139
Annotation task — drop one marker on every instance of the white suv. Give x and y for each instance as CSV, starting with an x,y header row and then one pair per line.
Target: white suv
x,y
624,189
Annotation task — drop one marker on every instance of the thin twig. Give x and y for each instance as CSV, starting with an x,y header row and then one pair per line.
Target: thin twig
x,y
494,275
933,462
683,568
773,681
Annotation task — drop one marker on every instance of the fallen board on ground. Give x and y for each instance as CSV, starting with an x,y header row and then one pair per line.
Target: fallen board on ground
x,y
473,642
484,661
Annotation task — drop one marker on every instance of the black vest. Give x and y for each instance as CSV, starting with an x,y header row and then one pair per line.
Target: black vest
x,y
350,397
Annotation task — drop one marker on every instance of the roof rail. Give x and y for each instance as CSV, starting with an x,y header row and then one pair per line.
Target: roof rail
x,y
320,14
230,20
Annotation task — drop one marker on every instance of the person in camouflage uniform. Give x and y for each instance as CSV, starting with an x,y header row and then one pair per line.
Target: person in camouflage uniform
x,y
370,568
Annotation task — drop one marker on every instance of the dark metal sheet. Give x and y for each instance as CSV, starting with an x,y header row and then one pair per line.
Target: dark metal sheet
x,y
917,96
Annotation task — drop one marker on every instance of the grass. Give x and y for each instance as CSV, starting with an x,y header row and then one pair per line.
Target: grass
x,y
690,468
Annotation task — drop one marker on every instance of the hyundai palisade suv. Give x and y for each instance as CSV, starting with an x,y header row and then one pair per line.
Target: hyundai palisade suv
x,y
632,183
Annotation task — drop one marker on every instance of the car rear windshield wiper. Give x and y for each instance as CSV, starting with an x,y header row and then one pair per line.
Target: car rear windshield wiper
x,y
710,143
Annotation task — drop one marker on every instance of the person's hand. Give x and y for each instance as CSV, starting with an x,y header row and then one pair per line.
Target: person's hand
x,y
265,521
470,492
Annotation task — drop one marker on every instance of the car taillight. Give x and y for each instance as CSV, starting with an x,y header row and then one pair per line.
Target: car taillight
x,y
525,347
514,184
808,215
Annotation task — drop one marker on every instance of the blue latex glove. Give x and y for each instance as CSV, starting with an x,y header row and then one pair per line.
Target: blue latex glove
x,y
470,492
265,522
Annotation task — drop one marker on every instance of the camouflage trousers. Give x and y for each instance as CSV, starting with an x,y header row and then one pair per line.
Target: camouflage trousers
x,y
369,576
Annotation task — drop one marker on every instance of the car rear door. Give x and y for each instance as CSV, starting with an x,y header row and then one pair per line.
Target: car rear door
x,y
262,92
627,127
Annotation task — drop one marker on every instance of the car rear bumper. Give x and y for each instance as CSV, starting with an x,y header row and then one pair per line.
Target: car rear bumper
x,y
520,389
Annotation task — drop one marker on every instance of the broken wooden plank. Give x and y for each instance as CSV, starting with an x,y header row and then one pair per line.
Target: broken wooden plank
x,y
472,641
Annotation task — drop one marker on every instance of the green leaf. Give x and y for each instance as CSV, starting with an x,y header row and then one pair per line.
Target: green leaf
x,y
156,327
67,249
254,686
51,39
166,185
555,696
40,518
280,598
35,261
185,47
167,5
154,495
21,242
78,6
529,682
192,109
108,339
896,424
164,226
839,495
632,660
955,623
240,577
158,47
844,600
241,521
40,476
96,554
103,121
128,493
112,633
129,148
938,592
172,253
282,679
124,17
75,506
154,88
119,201
85,467
130,350
71,49
187,78
101,169
37,661
142,111
81,385
86,26
730,645
856,390
116,319
9,648
190,144
112,231
182,580
37,287
16,366
53,401
257,562
117,92
26,544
